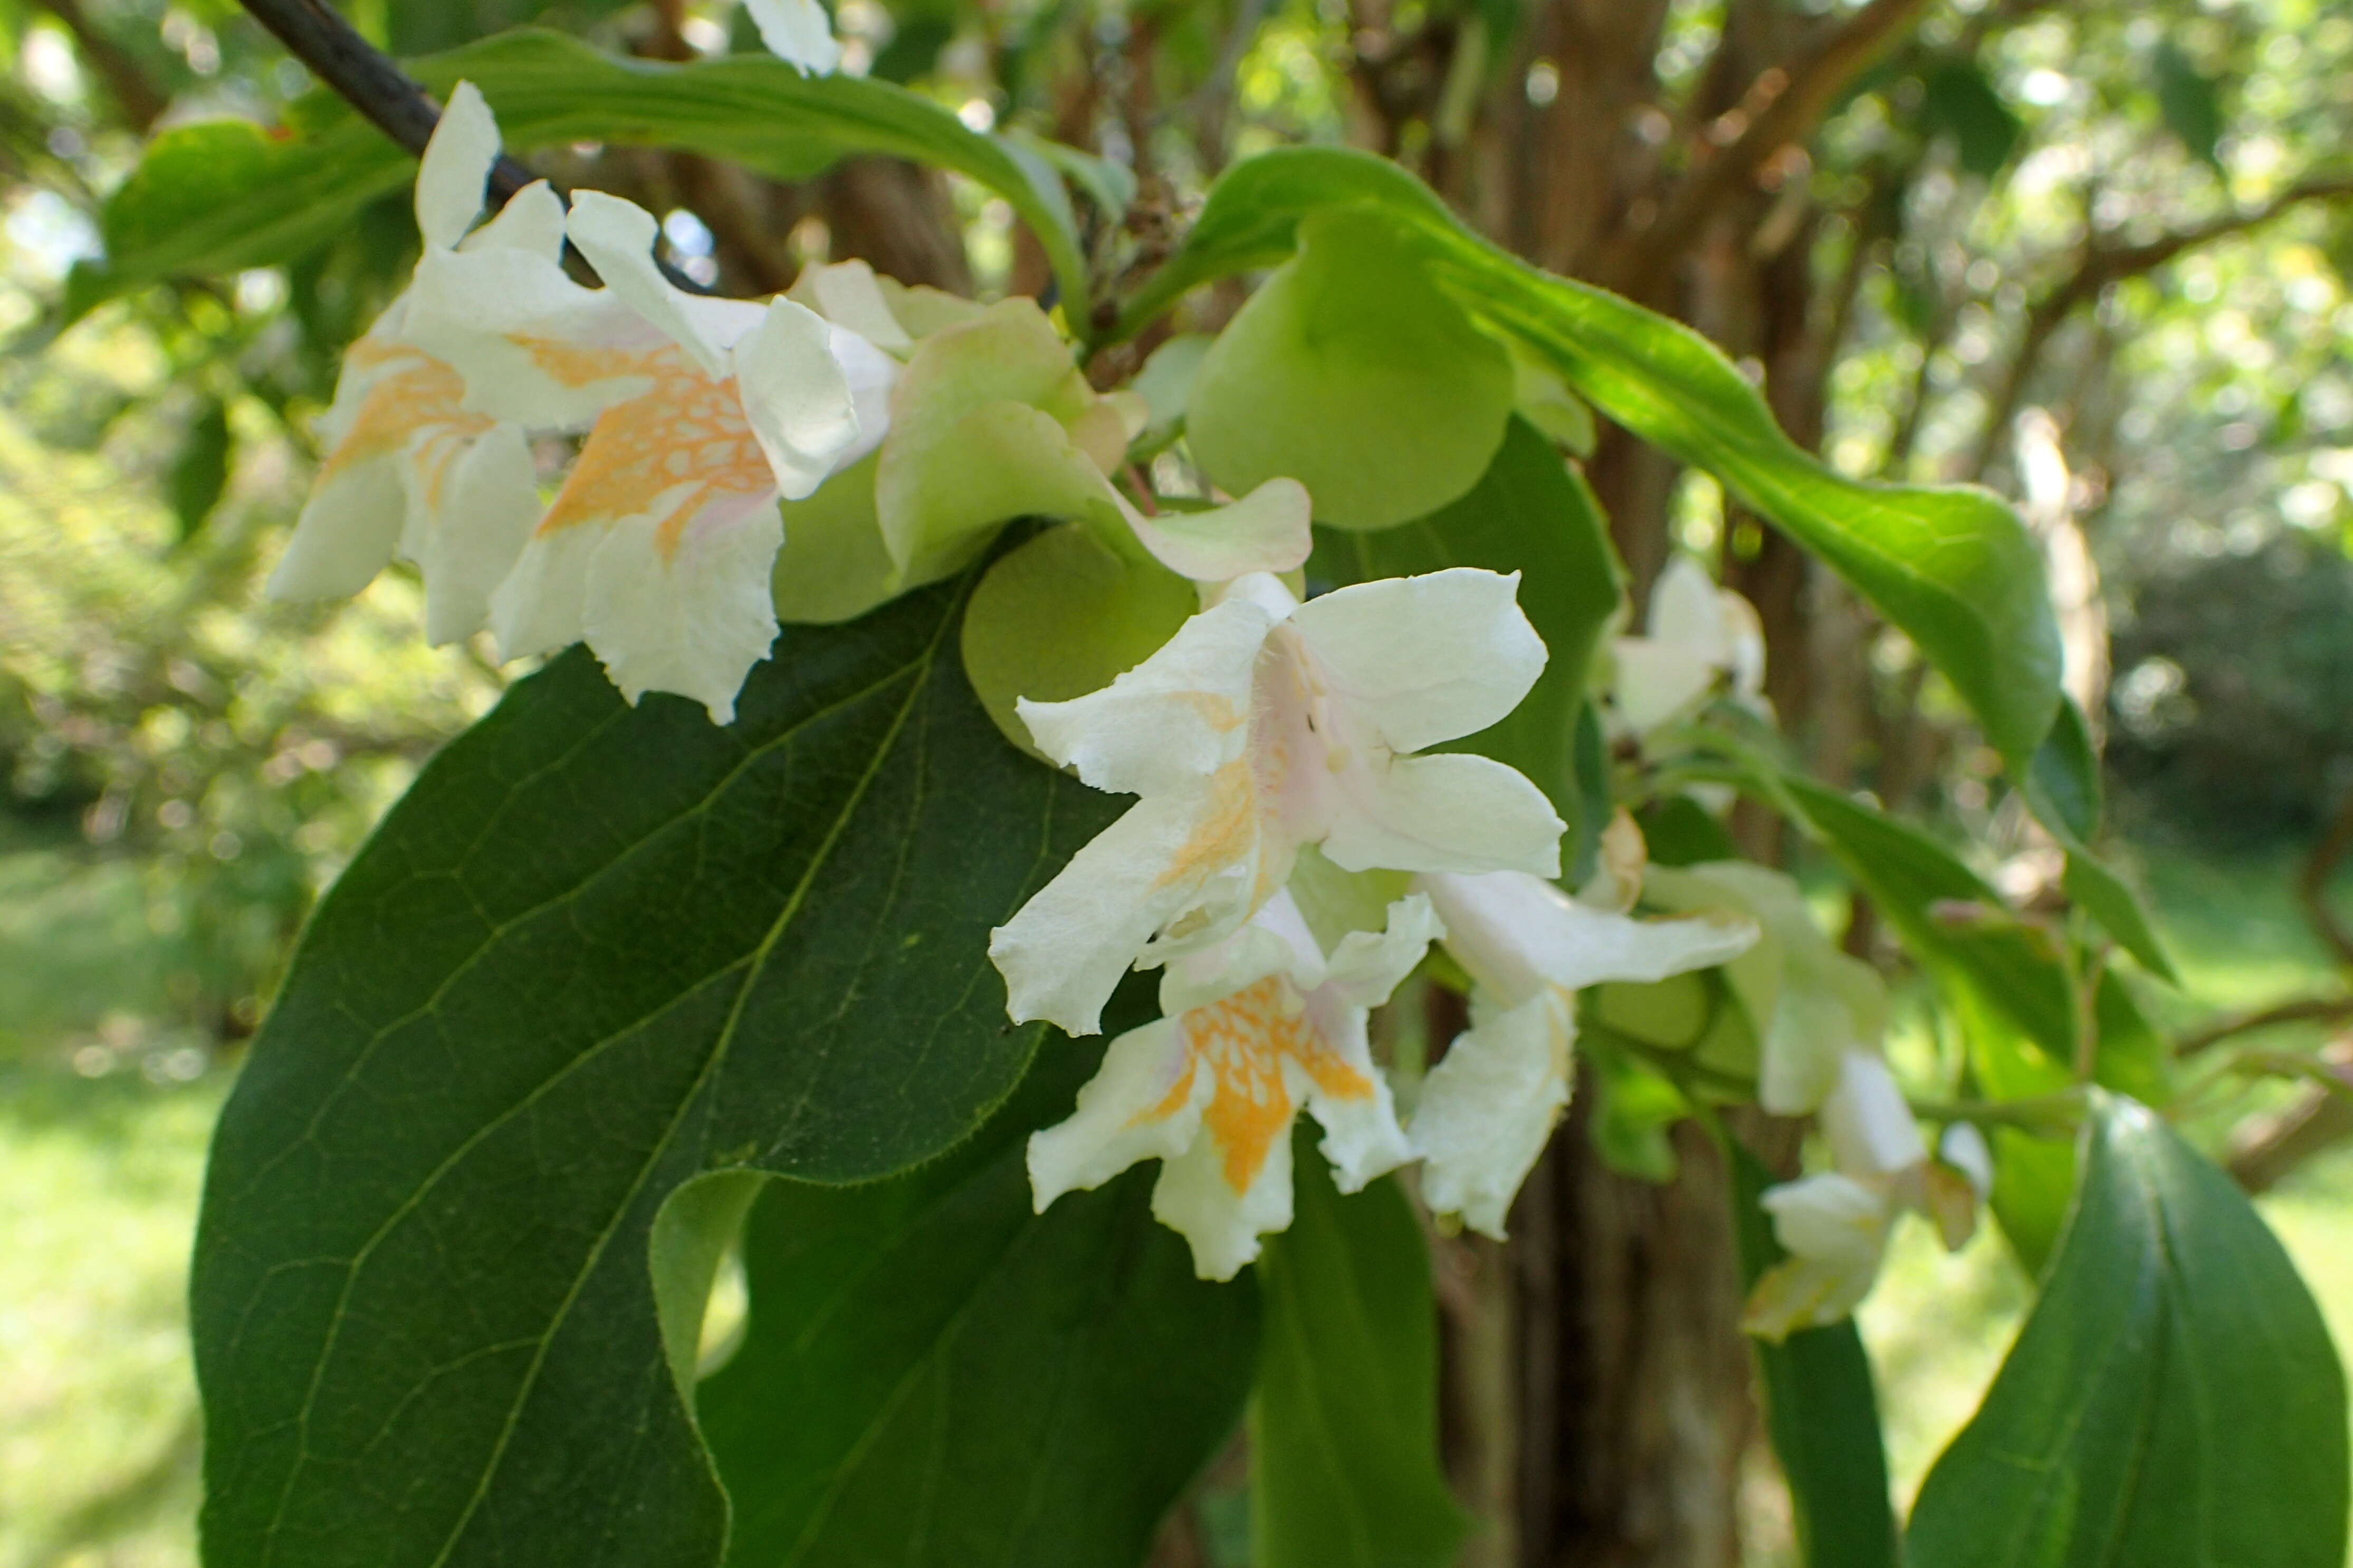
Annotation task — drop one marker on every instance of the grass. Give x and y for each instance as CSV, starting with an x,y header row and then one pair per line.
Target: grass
x,y
104,1113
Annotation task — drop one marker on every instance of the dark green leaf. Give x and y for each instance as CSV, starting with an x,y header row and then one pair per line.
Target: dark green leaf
x,y
2191,101
1820,1408
1682,832
1530,513
2062,787
222,196
1960,102
2174,1398
933,1374
200,473
597,951
1954,568
1344,1450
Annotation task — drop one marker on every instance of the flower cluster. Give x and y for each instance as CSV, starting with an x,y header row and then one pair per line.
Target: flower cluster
x,y
1265,729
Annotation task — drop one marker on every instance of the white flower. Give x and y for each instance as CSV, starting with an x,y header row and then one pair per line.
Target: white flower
x,y
701,413
1489,1105
1698,634
1258,1027
1835,1225
800,32
408,470
1809,1003
1264,725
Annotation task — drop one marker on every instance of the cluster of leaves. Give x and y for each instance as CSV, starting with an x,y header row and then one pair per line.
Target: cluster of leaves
x,y
614,991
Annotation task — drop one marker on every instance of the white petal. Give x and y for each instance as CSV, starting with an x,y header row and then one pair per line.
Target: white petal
x,y
618,238
847,294
1443,813
1658,681
1192,1199
471,543
871,374
1064,951
346,533
1803,1293
530,222
797,32
1124,1114
1361,1138
1172,721
1807,1039
503,318
1744,643
1368,965
1427,658
1487,1109
1266,531
1869,1128
1687,611
544,603
691,616
1517,934
1831,1217
795,397
1963,1147
1275,940
456,166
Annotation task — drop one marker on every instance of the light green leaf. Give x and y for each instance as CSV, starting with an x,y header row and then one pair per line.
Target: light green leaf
x,y
1820,1408
934,1376
1062,616
214,199
1954,568
1351,372
2174,1398
595,953
1344,1435
1534,514
834,565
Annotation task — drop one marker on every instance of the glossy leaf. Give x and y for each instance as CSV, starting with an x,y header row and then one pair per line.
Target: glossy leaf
x,y
217,198
934,1375
595,952
1821,1409
1954,568
1534,514
1343,1436
2173,1399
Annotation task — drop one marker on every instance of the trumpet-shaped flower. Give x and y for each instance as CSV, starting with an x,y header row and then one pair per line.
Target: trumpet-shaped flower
x,y
1257,1026
1264,725
1698,634
408,469
1835,1225
1489,1105
701,413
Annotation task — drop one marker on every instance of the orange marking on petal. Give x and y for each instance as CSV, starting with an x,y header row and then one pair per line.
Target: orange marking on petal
x,y
1245,1038
678,446
419,398
1226,831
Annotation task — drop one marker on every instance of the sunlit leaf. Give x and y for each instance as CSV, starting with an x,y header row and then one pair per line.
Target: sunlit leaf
x,y
219,197
1954,568
2173,1399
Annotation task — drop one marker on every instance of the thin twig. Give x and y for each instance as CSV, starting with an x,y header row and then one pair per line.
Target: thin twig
x,y
370,82
2304,1010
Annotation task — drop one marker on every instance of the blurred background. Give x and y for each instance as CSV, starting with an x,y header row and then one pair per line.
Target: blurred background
x,y
2095,256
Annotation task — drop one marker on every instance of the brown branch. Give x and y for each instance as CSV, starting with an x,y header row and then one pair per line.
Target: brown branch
x,y
141,101
1782,107
2103,265
2312,887
367,79
2263,1151
2302,1010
